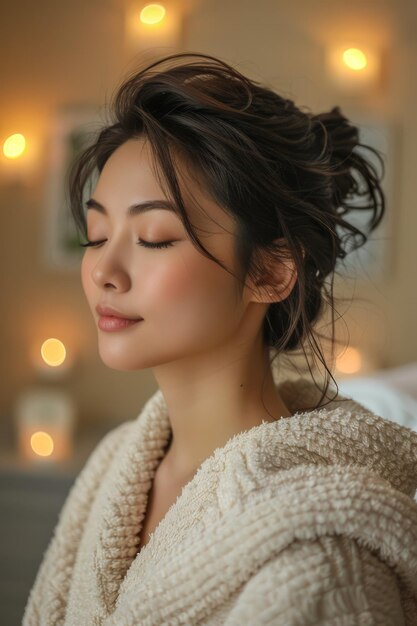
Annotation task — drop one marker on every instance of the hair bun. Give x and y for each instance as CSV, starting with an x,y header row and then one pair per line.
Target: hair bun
x,y
352,175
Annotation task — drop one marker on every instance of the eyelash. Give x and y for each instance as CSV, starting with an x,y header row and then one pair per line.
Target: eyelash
x,y
141,242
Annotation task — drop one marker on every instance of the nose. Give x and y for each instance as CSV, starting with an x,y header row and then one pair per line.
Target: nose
x,y
111,269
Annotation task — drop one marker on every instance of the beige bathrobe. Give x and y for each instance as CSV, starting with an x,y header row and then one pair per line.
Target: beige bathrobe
x,y
309,519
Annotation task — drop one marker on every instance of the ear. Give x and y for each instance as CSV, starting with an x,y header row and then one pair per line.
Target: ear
x,y
279,276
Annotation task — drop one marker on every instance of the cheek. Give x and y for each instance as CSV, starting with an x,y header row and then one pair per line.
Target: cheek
x,y
169,288
191,290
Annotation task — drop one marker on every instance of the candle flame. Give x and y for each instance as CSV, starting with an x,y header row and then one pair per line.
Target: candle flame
x,y
41,443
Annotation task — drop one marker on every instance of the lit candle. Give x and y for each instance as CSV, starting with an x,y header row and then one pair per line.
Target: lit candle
x,y
45,423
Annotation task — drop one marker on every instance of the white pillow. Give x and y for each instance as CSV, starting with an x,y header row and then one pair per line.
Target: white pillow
x,y
381,399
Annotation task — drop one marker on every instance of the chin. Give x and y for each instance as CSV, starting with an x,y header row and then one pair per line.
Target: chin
x,y
119,364
122,361
118,360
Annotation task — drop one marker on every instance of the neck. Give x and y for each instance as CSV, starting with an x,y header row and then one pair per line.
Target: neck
x,y
208,405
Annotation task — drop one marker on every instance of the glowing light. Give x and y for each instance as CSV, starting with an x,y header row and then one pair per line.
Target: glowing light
x,y
53,352
41,443
14,146
152,14
349,361
355,59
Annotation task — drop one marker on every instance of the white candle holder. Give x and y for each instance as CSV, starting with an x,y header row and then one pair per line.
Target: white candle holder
x,y
44,421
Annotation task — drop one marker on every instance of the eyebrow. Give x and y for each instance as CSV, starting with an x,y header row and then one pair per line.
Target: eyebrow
x,y
135,209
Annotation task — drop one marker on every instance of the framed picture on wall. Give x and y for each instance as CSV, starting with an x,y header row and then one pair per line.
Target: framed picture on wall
x,y
72,129
374,260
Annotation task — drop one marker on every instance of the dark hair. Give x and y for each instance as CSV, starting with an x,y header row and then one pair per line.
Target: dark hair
x,y
279,171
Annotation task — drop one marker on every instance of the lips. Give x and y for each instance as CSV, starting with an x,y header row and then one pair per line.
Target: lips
x,y
113,324
108,311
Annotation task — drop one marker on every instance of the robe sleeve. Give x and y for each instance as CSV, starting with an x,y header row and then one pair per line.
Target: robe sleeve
x,y
329,581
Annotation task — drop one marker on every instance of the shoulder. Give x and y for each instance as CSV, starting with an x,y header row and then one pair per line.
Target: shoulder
x,y
319,582
344,432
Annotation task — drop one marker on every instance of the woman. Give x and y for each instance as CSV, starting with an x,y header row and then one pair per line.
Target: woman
x,y
217,216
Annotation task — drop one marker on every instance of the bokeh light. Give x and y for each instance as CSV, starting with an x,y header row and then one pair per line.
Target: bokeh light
x,y
349,361
152,14
14,146
41,443
355,59
53,352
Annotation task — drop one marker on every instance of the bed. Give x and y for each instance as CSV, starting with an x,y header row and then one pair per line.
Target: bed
x,y
390,393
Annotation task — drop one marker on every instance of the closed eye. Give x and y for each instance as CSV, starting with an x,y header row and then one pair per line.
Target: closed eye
x,y
141,242
157,244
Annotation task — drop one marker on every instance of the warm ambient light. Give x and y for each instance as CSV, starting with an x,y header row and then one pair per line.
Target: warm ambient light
x,y
354,69
354,59
153,27
53,352
42,444
14,146
152,14
44,421
349,361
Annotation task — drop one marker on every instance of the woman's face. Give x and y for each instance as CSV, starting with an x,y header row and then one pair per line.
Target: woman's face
x,y
188,303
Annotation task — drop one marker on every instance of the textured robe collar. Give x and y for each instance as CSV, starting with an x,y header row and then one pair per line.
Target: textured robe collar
x,y
335,470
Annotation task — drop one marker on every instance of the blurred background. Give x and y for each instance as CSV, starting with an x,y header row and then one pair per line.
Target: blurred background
x,y
61,64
